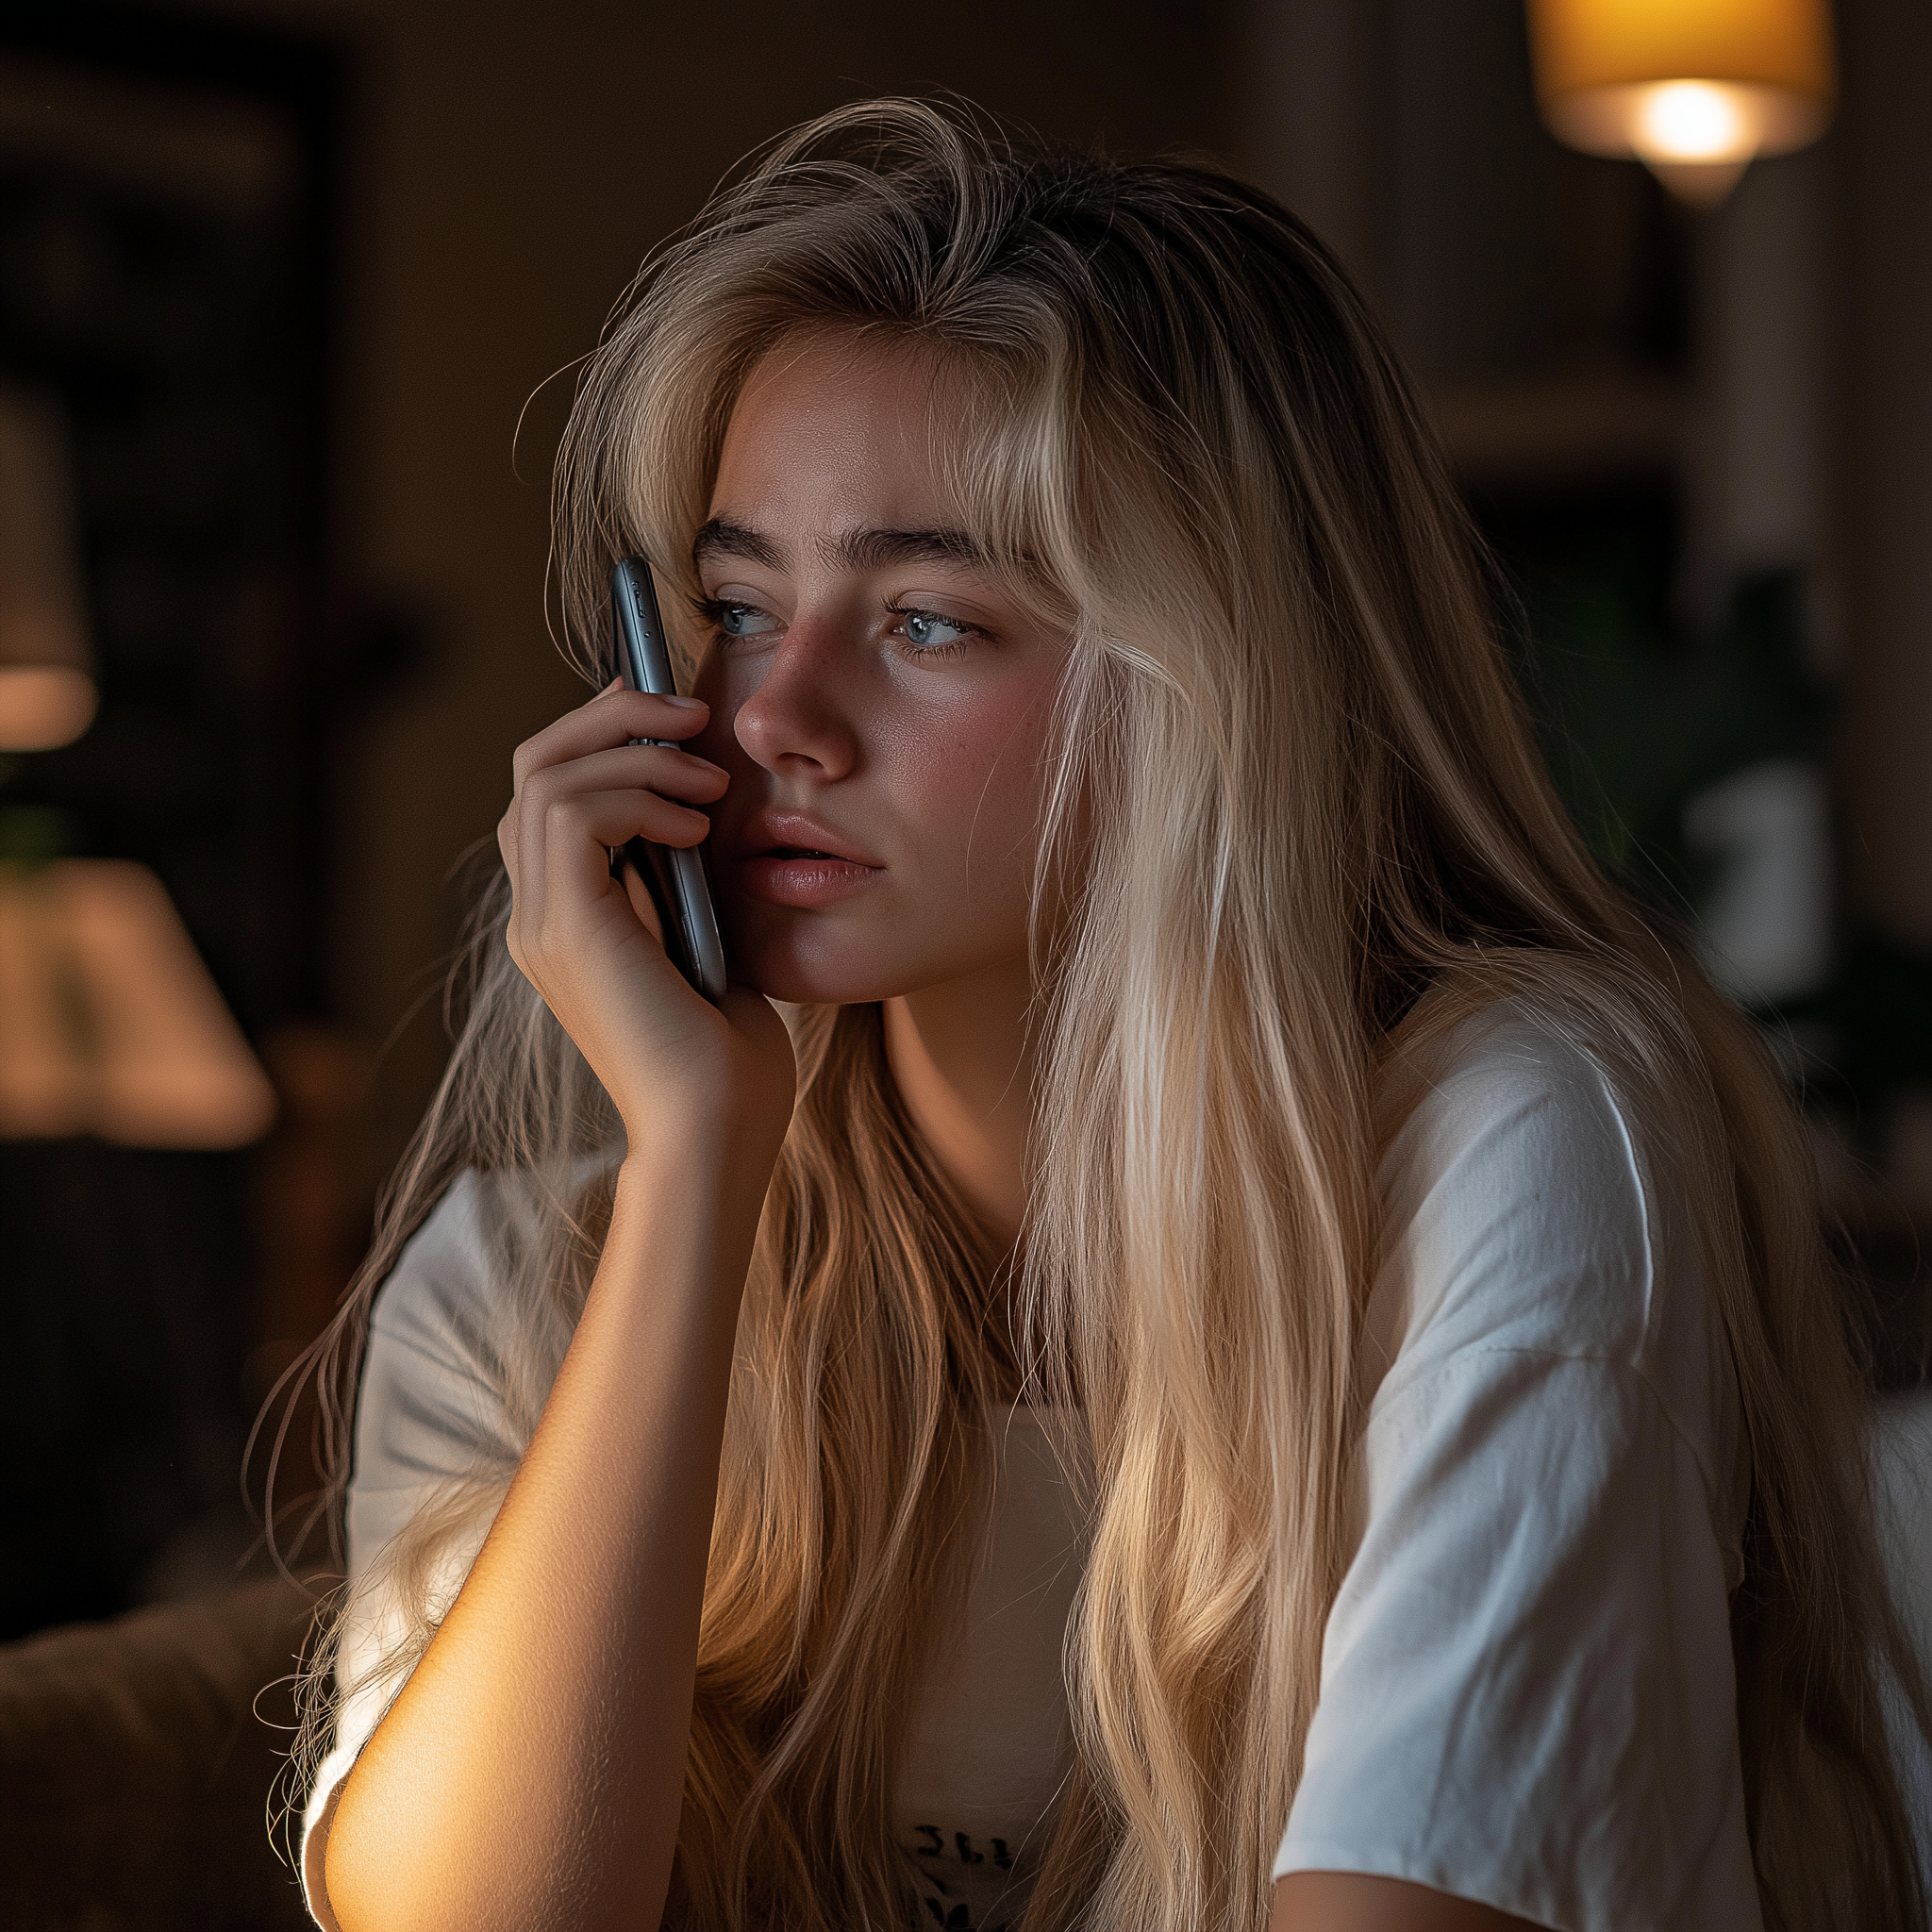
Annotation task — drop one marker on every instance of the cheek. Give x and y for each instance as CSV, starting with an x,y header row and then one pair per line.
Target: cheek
x,y
974,781
717,741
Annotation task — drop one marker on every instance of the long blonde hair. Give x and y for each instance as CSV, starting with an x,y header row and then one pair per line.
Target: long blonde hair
x,y
1295,816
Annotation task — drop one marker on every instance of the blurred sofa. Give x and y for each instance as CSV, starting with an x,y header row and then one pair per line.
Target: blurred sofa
x,y
138,1760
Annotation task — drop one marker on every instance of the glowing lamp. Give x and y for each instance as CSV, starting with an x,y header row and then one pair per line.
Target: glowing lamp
x,y
1695,88
46,668
109,1024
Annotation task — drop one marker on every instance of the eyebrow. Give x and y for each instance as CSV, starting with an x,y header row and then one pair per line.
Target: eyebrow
x,y
857,550
719,538
879,549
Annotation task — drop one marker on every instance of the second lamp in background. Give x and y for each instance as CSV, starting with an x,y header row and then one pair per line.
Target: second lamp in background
x,y
1695,89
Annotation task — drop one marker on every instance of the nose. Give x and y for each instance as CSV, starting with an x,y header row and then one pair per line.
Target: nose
x,y
797,722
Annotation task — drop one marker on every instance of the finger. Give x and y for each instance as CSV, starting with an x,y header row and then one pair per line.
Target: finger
x,y
672,714
613,717
565,884
599,820
636,767
565,828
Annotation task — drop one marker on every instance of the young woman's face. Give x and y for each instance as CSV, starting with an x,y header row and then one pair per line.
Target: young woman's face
x,y
878,696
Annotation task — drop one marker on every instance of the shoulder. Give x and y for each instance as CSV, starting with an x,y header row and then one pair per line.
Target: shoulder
x,y
1518,1198
447,1296
470,1288
1531,1216
462,1345
1527,1692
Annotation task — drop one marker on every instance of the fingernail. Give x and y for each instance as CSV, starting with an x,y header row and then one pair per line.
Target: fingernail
x,y
671,697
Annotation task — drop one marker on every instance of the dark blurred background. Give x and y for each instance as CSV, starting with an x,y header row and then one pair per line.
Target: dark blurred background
x,y
300,284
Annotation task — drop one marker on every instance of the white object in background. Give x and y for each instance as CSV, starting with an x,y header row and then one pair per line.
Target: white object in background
x,y
46,664
1900,1436
1767,924
109,1024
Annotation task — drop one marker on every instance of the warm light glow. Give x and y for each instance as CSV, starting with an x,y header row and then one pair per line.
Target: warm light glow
x,y
44,705
109,1024
1695,88
1684,122
1692,121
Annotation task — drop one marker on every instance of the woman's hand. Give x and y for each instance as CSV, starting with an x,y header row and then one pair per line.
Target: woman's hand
x,y
672,1064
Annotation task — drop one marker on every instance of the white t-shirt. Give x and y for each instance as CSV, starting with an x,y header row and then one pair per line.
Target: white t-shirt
x,y
1526,1691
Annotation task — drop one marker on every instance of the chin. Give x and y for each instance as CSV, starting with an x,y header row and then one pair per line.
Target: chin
x,y
817,969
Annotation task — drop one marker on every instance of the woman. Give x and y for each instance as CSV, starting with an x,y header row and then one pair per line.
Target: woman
x,y
1254,1349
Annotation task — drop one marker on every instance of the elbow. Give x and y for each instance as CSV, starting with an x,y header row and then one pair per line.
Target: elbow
x,y
385,1870
365,1876
394,1894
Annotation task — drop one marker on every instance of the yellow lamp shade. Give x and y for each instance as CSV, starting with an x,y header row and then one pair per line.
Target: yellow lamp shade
x,y
1695,88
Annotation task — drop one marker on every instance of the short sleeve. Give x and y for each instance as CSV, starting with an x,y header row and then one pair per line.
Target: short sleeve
x,y
1527,1695
430,1418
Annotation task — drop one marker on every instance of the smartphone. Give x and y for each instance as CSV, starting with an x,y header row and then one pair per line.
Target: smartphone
x,y
672,875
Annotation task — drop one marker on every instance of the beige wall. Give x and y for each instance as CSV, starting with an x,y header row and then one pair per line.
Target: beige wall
x,y
511,164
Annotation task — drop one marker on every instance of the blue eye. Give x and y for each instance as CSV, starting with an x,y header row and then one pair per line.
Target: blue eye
x,y
743,620
927,630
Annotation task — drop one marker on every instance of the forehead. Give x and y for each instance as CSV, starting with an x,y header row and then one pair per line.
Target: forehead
x,y
838,433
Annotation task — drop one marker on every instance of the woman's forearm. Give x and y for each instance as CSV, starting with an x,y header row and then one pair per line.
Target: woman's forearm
x,y
531,1773
1355,1902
